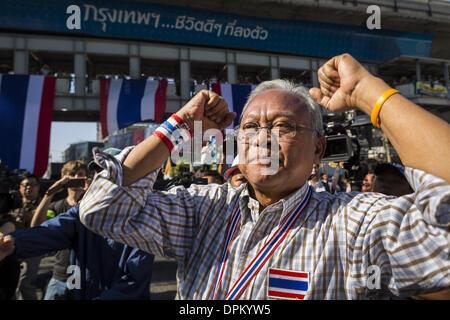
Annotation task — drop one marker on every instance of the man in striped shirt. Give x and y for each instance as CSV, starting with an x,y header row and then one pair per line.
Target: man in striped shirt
x,y
275,237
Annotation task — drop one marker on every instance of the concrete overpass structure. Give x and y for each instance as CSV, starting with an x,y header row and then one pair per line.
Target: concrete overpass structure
x,y
78,61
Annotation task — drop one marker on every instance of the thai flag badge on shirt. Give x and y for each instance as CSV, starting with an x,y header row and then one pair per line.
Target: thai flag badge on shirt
x,y
286,284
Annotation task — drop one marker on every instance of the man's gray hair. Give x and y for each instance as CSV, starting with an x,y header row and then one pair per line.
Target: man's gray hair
x,y
298,91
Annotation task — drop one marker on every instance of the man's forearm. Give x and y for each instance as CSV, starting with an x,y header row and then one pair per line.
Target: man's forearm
x,y
29,243
421,139
40,215
55,234
206,106
146,157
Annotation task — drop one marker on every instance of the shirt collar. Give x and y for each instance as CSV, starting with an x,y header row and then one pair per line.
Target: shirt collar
x,y
250,207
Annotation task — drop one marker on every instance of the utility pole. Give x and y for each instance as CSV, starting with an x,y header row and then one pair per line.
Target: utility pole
x,y
386,147
99,132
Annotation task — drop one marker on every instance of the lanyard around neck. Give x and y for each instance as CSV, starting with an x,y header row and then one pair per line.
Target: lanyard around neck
x,y
263,255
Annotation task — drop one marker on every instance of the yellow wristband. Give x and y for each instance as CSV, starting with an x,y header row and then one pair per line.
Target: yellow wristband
x,y
374,117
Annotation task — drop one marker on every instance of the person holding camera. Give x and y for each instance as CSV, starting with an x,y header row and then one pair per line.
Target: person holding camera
x,y
29,194
74,180
274,237
9,267
6,205
29,198
99,268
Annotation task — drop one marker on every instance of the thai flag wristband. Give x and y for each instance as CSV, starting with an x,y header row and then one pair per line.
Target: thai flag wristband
x,y
173,132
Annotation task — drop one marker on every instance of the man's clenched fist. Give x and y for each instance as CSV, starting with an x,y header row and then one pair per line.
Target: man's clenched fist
x,y
340,79
208,107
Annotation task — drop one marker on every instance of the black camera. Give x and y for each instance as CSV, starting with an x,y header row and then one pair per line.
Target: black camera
x,y
185,179
339,139
342,132
339,148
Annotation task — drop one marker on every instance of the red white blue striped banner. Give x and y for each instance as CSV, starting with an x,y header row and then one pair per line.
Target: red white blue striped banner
x,y
235,95
26,111
125,102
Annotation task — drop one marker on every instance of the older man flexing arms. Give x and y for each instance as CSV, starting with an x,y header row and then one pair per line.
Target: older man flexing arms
x,y
274,237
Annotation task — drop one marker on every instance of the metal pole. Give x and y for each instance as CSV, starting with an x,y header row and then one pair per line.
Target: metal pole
x,y
386,147
418,71
446,78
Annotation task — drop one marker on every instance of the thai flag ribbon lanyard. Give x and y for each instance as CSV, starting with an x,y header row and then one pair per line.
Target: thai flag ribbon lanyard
x,y
263,255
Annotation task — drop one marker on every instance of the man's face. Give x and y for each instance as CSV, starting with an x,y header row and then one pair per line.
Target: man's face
x,y
315,172
295,155
315,169
367,185
29,189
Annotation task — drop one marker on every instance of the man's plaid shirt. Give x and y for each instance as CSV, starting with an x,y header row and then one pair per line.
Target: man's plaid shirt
x,y
336,239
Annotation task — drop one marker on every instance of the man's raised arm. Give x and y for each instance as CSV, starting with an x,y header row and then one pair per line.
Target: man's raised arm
x,y
421,139
150,154
121,203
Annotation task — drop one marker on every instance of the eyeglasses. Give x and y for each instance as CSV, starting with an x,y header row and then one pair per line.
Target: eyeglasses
x,y
31,185
284,130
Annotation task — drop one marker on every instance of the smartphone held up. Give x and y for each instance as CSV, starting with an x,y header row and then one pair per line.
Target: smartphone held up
x,y
76,183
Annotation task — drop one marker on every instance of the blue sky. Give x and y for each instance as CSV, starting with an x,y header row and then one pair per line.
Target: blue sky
x,y
65,133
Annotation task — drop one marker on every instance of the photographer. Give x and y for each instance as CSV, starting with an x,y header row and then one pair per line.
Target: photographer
x,y
6,205
274,236
9,267
73,178
29,188
101,268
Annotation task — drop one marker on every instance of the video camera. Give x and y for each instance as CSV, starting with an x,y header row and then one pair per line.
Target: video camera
x,y
185,179
342,132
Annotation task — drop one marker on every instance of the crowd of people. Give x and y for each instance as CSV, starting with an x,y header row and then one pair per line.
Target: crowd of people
x,y
86,266
431,80
386,178
43,223
109,223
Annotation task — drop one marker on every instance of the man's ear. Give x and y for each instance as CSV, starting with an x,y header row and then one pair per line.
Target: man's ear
x,y
320,145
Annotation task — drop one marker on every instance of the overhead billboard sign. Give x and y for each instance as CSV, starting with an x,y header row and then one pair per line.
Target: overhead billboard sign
x,y
151,21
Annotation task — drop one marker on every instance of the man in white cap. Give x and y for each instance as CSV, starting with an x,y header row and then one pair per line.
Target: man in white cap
x,y
233,175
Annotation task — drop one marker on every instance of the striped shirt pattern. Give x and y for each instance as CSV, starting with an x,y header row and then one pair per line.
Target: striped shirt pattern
x,y
337,239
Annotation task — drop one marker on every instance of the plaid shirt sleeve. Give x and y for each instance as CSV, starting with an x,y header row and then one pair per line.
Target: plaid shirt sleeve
x,y
160,222
407,238
130,214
